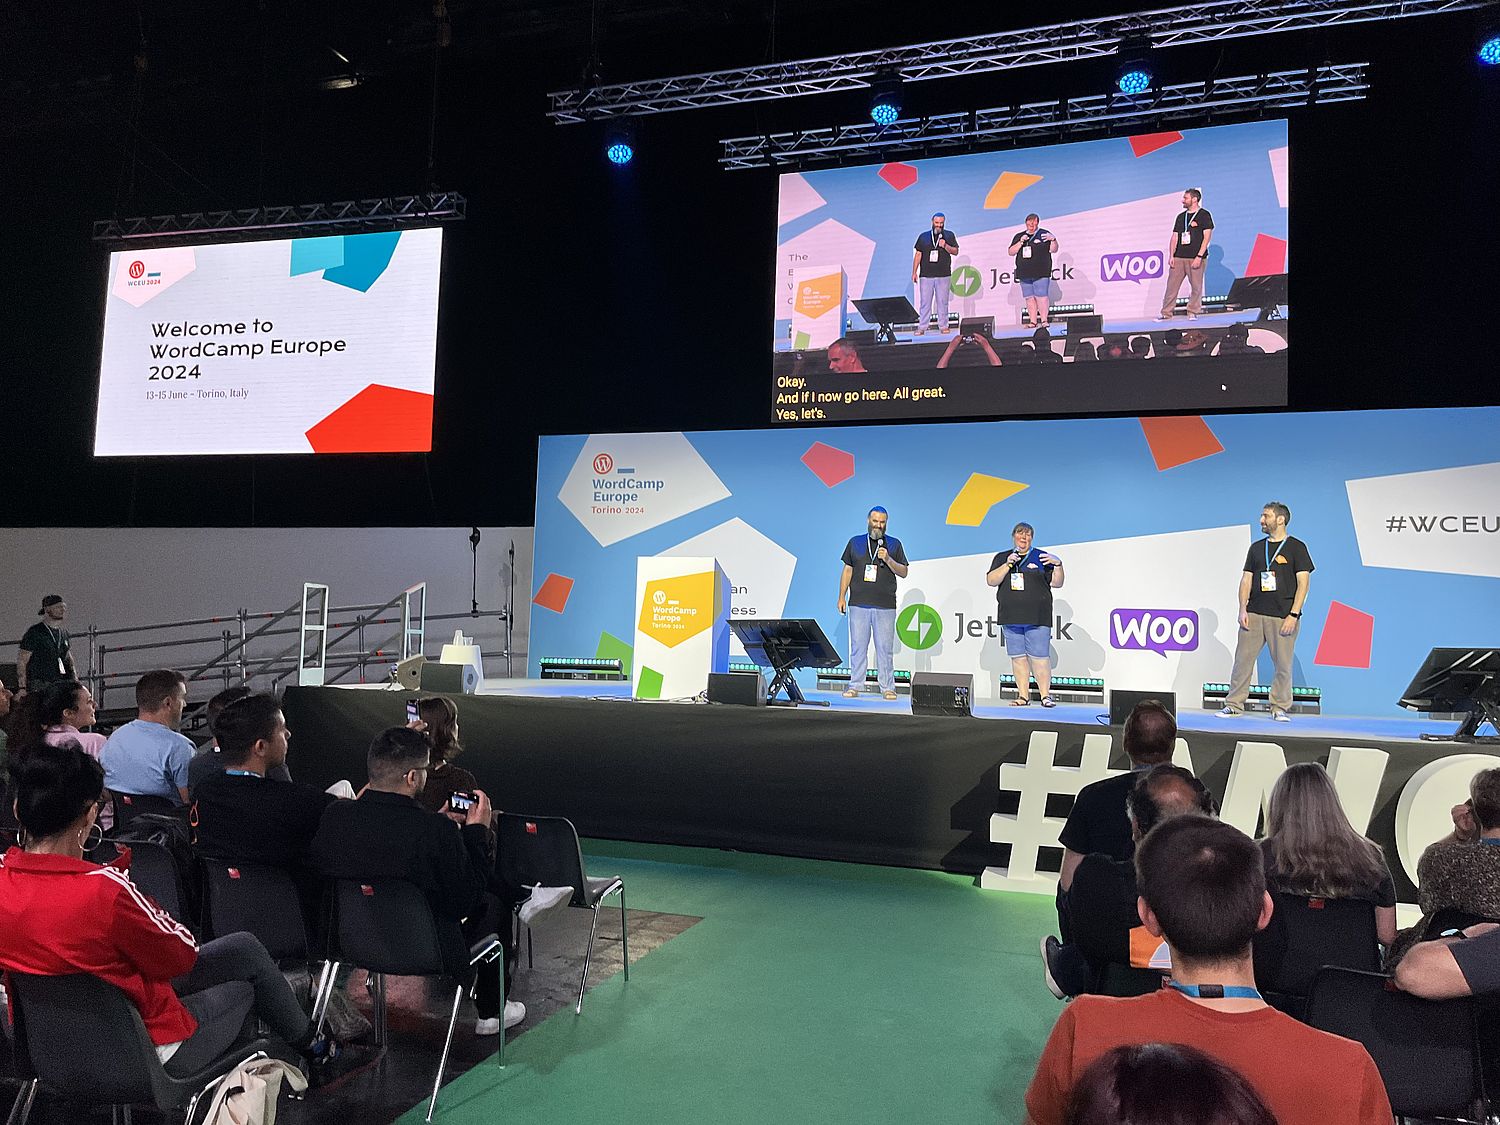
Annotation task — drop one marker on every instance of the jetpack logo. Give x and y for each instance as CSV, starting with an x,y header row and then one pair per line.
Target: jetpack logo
x,y
1156,630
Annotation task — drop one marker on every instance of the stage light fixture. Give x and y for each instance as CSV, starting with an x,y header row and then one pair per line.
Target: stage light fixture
x,y
885,101
1133,76
1489,51
619,146
1136,80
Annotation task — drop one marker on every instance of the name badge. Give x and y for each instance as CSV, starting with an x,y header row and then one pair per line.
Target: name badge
x,y
932,256
1267,581
1017,580
870,572
1185,237
1026,251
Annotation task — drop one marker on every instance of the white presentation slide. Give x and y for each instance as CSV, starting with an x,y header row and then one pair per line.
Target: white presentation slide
x,y
304,345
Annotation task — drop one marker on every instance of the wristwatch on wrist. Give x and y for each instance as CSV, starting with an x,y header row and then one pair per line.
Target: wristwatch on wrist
x,y
1295,614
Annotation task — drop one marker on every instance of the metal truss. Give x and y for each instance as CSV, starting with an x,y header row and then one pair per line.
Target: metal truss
x,y
248,222
1210,22
1071,117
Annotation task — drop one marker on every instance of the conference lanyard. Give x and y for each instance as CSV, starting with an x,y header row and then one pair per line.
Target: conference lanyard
x,y
1216,991
242,773
1489,839
1269,555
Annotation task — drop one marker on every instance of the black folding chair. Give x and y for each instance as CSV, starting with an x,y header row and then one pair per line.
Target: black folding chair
x,y
1426,1050
128,806
544,850
1127,980
254,899
154,870
387,927
81,1040
1305,934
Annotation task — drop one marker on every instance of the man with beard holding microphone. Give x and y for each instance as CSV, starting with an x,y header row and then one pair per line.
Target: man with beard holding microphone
x,y
867,592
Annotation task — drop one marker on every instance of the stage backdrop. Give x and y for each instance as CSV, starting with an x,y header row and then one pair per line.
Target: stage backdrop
x,y
1152,518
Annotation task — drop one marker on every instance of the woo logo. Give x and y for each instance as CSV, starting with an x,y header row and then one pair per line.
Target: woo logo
x,y
604,463
1159,630
1135,266
137,269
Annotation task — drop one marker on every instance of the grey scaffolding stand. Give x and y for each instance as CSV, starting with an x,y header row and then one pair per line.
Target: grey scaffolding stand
x,y
312,665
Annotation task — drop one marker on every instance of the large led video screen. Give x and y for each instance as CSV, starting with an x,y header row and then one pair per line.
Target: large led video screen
x,y
305,345
1138,273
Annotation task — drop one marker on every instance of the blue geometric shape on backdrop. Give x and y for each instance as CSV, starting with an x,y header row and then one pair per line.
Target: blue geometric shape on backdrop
x,y
309,255
365,259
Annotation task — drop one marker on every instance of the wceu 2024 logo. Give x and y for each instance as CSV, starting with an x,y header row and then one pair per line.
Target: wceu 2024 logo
x,y
1157,630
139,277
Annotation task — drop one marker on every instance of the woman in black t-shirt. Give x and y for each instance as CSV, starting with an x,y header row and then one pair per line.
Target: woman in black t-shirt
x,y
1311,848
1024,579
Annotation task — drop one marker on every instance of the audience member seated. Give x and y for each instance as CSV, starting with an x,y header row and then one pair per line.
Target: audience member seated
x,y
1311,848
7,699
386,834
55,713
1460,874
61,914
207,761
439,715
1466,964
1107,926
148,756
1164,1084
1203,889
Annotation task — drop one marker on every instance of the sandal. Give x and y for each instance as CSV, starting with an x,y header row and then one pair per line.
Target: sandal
x,y
1020,703
1048,701
892,696
851,694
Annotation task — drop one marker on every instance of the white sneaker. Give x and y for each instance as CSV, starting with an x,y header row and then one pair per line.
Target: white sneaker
x,y
515,1012
1280,716
543,898
1228,713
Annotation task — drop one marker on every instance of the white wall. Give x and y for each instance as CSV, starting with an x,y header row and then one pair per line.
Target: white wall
x,y
113,577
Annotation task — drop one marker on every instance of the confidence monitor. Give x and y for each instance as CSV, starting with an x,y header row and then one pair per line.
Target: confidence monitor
x,y
784,644
1122,702
1459,679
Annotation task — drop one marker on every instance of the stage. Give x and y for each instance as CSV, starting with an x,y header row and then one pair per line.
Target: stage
x,y
860,780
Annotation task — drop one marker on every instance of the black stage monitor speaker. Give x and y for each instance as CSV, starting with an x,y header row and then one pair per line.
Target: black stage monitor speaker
x,y
977,326
451,679
1122,702
942,693
745,688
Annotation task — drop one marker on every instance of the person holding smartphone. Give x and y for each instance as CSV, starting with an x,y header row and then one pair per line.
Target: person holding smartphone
x,y
439,718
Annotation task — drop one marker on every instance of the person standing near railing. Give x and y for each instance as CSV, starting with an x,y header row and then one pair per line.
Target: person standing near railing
x,y
45,655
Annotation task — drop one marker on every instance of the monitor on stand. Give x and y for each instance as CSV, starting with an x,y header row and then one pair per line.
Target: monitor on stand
x,y
886,312
784,644
1463,680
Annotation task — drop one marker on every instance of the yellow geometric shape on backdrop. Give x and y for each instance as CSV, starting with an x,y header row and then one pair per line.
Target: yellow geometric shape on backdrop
x,y
674,610
979,494
816,295
1007,187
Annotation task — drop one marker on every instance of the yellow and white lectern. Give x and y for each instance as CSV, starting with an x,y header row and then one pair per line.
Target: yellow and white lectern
x,y
681,626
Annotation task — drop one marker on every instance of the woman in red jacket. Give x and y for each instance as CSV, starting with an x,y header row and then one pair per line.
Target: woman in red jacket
x,y
61,914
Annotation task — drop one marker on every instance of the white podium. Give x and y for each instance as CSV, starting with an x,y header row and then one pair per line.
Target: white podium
x,y
681,626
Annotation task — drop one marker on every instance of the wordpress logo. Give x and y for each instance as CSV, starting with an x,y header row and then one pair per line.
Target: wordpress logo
x,y
919,626
1158,630
603,463
1136,266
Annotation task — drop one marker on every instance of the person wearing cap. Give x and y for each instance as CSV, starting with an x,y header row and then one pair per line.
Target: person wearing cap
x,y
45,654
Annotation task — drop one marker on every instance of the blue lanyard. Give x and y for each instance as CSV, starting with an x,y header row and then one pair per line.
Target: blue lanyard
x,y
1269,556
242,773
1489,839
1216,991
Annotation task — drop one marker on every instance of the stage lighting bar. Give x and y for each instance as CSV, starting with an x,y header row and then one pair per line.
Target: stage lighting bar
x,y
1071,117
1305,700
1103,37
348,216
581,668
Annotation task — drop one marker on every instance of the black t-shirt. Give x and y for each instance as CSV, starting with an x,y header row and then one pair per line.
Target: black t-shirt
x,y
255,819
1039,265
1286,562
1103,909
1195,225
49,653
880,594
208,761
926,244
1031,605
1382,893
1098,822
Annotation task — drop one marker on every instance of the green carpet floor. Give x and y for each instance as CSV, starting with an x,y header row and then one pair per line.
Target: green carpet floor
x,y
810,992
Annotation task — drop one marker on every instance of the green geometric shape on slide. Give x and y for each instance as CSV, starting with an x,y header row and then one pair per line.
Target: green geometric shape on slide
x,y
965,281
612,648
919,626
801,341
649,686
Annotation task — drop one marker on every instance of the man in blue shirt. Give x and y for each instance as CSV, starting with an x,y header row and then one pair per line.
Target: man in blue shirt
x,y
148,756
867,592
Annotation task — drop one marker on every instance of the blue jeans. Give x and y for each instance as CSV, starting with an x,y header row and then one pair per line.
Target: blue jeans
x,y
864,620
929,288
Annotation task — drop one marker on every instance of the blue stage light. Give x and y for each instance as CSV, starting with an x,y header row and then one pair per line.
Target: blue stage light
x,y
1136,80
1489,51
884,113
620,152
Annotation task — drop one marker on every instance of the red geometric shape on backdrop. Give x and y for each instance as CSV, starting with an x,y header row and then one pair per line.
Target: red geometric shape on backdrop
x,y
1267,256
554,593
899,176
831,466
1176,441
1346,639
1146,143
377,420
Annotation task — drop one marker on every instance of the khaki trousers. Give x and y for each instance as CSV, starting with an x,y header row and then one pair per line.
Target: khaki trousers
x,y
1177,269
1264,632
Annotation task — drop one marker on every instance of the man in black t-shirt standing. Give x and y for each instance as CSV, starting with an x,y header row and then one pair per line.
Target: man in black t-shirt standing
x,y
1032,249
1024,579
1273,590
1187,253
931,270
45,653
867,592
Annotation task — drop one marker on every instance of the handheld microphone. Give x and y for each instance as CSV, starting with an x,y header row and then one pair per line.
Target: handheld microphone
x,y
879,540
